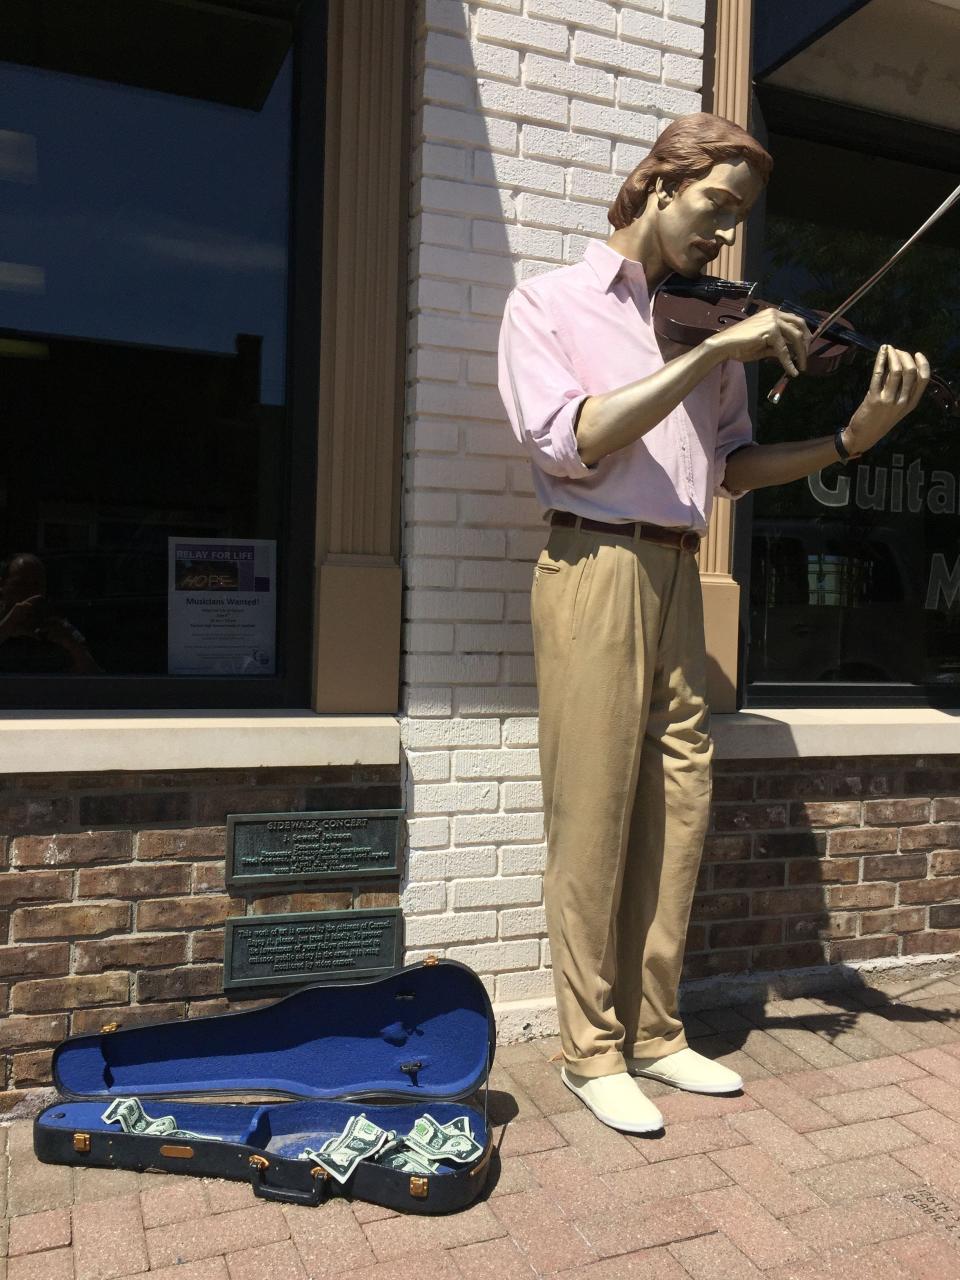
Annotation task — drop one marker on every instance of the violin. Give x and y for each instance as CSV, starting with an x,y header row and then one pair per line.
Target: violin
x,y
689,311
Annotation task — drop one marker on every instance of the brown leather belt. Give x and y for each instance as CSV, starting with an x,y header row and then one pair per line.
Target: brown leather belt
x,y
685,539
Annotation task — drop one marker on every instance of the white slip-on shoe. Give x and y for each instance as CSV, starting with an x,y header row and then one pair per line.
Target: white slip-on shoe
x,y
617,1100
687,1069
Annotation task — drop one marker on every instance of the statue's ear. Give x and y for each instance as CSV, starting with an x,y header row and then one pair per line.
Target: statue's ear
x,y
664,192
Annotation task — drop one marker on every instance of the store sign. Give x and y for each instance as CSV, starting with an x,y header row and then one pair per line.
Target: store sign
x,y
314,946
221,606
901,489
896,488
277,850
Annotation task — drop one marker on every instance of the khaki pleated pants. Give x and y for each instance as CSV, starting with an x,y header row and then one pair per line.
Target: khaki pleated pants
x,y
625,756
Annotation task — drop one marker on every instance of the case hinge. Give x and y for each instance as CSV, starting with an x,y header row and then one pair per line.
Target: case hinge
x,y
431,959
108,1027
420,1187
81,1142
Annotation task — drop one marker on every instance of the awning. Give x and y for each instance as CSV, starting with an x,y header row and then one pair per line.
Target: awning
x,y
220,52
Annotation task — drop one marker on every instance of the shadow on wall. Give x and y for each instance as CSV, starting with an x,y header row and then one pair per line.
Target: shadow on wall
x,y
472,525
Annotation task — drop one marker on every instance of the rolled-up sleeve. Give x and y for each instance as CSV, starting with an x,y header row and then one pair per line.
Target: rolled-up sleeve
x,y
540,391
735,428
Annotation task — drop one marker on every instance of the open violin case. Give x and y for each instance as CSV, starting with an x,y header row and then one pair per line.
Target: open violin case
x,y
419,1041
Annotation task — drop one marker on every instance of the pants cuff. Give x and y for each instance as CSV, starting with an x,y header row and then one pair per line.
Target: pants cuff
x,y
660,1047
608,1063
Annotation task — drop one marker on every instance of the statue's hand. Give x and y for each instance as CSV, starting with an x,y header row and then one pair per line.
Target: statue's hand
x,y
769,333
897,383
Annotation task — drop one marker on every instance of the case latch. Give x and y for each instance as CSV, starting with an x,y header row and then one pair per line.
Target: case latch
x,y
420,1187
81,1142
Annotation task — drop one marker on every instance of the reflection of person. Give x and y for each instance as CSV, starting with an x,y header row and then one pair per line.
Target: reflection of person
x,y
32,637
628,453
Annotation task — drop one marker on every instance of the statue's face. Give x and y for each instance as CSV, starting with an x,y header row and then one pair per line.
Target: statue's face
x,y
695,222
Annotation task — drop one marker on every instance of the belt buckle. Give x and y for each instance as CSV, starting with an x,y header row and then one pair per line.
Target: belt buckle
x,y
690,540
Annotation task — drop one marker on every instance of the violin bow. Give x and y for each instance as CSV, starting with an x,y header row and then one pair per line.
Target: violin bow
x,y
778,390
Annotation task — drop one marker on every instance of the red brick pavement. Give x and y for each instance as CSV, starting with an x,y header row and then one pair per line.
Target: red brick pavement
x,y
841,1158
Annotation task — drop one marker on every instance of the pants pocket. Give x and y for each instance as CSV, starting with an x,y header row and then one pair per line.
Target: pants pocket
x,y
581,595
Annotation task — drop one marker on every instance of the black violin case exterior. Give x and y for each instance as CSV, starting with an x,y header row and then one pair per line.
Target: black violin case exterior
x,y
419,1041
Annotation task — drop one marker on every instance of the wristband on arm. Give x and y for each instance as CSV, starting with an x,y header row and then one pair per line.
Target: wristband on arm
x,y
841,448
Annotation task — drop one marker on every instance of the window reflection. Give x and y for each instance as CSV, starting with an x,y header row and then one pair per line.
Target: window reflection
x,y
142,353
34,636
856,571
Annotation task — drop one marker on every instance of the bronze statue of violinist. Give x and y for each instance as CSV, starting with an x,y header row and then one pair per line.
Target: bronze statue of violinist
x,y
628,450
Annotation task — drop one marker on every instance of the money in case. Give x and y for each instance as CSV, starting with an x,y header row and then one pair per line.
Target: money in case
x,y
361,1091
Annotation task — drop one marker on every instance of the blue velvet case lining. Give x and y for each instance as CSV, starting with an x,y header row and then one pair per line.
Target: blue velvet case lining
x,y
425,1031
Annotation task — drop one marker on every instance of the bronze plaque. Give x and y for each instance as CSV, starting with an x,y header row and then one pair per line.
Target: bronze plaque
x,y
312,946
272,850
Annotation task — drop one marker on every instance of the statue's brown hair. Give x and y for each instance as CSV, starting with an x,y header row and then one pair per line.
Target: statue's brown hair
x,y
685,151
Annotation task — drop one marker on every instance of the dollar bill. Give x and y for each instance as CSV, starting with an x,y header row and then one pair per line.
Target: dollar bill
x,y
130,1115
394,1142
419,1151
359,1140
407,1162
438,1142
460,1124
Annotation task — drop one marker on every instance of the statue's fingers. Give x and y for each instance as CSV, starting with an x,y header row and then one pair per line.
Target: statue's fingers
x,y
908,379
891,383
783,354
797,335
879,371
923,377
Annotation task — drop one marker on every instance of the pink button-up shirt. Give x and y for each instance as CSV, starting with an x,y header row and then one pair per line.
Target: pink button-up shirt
x,y
580,331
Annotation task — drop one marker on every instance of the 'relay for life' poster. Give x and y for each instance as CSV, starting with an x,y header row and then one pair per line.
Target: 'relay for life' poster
x,y
221,606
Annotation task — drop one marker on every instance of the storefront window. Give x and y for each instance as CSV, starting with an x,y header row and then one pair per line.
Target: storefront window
x,y
143,364
855,571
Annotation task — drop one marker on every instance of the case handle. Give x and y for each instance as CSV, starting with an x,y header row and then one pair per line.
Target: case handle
x,y
288,1195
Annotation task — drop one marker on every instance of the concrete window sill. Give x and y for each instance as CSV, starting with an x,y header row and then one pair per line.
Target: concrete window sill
x,y
90,741
770,733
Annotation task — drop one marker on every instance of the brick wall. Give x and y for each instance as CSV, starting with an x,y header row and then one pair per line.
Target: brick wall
x,y
828,861
528,115
807,862
112,896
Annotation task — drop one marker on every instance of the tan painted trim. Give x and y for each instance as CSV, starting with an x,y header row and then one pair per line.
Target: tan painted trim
x,y
363,339
358,636
731,65
721,617
728,78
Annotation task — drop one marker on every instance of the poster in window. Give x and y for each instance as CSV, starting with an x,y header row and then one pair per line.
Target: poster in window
x,y
221,606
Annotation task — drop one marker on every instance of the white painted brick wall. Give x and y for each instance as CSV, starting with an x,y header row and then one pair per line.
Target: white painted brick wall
x,y
528,114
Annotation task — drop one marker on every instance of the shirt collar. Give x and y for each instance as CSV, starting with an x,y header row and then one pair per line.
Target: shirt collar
x,y
607,264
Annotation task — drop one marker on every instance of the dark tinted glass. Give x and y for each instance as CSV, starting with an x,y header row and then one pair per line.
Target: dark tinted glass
x,y
855,571
143,302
